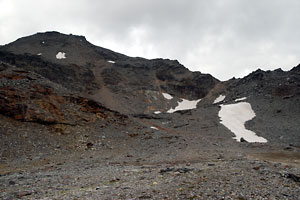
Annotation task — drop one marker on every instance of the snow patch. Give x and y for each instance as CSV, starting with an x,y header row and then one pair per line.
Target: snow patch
x,y
157,112
185,104
153,127
241,99
167,96
234,117
39,54
110,61
61,55
219,99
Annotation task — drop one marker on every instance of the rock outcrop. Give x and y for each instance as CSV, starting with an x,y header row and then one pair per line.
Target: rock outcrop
x,y
28,96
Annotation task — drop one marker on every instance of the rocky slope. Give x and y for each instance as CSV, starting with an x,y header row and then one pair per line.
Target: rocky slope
x,y
30,97
275,98
79,121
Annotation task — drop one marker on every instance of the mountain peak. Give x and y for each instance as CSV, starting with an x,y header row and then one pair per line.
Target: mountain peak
x,y
84,68
47,45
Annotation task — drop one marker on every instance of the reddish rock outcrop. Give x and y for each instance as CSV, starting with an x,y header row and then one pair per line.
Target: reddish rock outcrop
x,y
29,97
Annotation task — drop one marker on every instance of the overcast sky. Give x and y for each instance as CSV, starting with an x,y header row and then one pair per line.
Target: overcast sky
x,y
225,38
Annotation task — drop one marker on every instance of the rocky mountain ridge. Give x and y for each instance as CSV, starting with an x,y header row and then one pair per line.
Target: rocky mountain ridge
x,y
104,75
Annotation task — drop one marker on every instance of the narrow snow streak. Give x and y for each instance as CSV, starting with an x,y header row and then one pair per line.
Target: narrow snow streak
x,y
234,117
185,104
61,55
240,99
154,128
167,96
39,54
110,61
157,112
219,99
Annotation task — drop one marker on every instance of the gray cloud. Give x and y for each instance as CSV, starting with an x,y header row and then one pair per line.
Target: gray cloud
x,y
225,38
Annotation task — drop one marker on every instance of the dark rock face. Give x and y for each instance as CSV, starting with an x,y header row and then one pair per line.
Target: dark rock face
x,y
275,83
169,76
296,69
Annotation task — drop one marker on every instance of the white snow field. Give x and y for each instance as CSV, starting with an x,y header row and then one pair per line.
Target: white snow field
x,y
153,127
185,104
61,55
167,96
219,99
157,112
110,61
39,54
234,116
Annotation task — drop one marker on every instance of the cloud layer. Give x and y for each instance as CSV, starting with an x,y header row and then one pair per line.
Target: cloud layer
x,y
225,38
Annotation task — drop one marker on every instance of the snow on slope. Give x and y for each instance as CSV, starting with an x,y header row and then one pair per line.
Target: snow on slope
x,y
185,104
219,99
234,116
61,55
167,96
